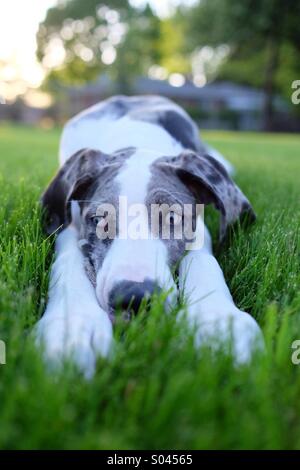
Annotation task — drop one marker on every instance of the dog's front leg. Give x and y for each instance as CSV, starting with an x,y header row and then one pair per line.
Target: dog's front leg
x,y
73,326
210,307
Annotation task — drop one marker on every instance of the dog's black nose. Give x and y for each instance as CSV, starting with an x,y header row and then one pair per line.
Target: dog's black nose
x,y
128,295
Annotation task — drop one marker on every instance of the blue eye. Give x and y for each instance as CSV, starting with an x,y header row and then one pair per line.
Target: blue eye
x,y
96,219
100,221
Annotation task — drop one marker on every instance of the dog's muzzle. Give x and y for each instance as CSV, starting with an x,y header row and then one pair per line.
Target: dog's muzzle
x,y
127,295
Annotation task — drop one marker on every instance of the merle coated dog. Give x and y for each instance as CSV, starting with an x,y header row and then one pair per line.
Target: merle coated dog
x,y
144,151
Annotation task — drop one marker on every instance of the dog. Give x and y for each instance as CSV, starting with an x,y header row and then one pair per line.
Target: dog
x,y
147,150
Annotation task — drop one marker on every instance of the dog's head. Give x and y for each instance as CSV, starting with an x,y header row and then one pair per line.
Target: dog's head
x,y
137,213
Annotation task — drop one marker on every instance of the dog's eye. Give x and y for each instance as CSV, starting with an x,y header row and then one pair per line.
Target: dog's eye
x,y
172,218
99,219
96,219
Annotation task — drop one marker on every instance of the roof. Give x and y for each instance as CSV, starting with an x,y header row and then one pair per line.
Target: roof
x,y
233,96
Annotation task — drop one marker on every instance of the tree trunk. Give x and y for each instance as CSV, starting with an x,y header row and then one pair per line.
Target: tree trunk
x,y
273,48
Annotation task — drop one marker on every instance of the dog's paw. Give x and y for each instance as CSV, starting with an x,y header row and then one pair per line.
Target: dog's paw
x,y
80,339
236,329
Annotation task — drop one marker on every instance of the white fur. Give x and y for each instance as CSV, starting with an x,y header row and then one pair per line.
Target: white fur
x,y
73,325
135,176
108,135
210,305
135,259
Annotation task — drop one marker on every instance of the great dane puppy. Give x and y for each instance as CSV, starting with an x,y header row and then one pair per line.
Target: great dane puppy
x,y
147,151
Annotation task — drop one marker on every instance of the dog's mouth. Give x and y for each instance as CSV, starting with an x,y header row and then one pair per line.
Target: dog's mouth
x,y
136,298
124,315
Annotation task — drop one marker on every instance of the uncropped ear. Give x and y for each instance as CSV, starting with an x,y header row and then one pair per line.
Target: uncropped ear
x,y
71,182
211,184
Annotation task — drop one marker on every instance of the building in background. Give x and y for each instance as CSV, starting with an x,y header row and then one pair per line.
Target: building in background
x,y
217,105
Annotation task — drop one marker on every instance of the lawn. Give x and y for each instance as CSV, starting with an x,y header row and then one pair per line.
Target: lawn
x,y
156,391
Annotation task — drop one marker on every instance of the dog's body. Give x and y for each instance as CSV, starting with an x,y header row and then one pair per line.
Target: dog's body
x,y
148,150
143,122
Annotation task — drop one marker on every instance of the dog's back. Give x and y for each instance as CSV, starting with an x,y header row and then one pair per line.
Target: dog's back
x,y
151,122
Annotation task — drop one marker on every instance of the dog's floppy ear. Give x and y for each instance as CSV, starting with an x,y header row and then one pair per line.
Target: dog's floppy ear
x,y
71,183
211,184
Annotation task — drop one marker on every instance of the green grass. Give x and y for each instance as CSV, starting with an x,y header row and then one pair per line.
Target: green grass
x,y
156,391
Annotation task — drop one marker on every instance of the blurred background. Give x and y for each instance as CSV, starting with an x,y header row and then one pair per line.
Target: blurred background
x,y
231,64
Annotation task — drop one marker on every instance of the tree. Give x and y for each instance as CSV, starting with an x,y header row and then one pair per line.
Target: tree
x,y
171,45
262,27
80,39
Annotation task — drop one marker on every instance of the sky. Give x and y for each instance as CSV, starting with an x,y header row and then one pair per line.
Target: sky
x,y
162,7
19,21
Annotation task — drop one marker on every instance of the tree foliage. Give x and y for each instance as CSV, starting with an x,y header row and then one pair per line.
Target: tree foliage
x,y
78,40
260,33
92,37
